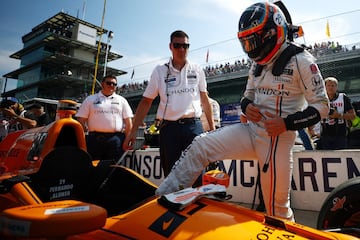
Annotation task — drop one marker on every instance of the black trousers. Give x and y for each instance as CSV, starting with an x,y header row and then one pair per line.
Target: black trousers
x,y
105,146
175,137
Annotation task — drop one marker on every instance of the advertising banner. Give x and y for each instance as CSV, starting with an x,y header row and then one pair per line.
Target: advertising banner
x,y
316,174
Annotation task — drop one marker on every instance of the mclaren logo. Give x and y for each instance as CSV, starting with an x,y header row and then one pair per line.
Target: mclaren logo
x,y
167,223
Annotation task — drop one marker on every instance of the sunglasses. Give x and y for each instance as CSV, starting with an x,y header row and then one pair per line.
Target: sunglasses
x,y
111,84
181,45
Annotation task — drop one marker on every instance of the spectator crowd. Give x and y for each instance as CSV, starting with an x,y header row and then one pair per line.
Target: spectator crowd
x,y
318,50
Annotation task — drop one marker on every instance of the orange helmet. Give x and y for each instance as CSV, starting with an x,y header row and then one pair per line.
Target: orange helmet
x,y
262,31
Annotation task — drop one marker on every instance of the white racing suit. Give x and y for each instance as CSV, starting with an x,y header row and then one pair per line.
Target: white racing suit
x,y
283,95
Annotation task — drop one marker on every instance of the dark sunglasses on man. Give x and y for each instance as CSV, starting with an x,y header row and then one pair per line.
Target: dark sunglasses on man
x,y
181,45
111,84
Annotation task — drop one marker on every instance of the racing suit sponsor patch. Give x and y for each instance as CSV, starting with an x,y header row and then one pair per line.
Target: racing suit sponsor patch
x,y
314,68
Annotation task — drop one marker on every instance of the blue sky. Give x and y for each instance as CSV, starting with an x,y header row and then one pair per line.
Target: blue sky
x,y
142,28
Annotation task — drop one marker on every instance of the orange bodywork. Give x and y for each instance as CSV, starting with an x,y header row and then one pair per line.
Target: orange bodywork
x,y
22,152
205,219
125,208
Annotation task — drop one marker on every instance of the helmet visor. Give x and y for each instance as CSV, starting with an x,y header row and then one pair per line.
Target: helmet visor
x,y
258,45
251,42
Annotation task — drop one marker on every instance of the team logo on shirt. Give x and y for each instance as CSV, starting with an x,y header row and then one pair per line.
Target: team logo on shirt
x,y
272,92
316,81
191,76
171,81
288,71
182,91
282,79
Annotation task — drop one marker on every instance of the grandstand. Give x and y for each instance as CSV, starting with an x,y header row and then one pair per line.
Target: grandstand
x,y
227,81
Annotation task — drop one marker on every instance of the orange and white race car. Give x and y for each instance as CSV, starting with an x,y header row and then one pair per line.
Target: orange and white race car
x,y
51,188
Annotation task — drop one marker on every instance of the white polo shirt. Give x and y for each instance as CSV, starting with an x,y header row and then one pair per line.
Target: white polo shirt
x,y
105,114
179,91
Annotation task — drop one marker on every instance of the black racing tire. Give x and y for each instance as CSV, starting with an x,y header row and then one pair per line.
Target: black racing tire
x,y
341,209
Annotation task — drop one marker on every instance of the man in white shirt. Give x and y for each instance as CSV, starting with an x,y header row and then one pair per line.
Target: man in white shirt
x,y
107,118
182,88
